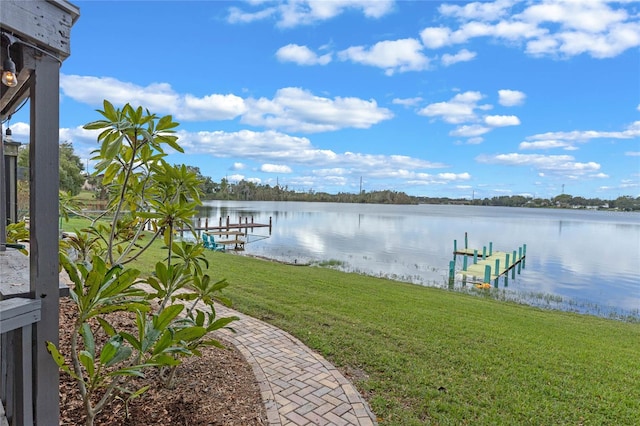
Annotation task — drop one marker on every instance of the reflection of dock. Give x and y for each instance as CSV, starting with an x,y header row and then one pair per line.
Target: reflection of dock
x,y
486,263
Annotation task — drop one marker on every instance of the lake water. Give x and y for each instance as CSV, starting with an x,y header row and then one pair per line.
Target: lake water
x,y
579,260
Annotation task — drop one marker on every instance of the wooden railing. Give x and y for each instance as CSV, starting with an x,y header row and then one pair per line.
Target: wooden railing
x,y
16,360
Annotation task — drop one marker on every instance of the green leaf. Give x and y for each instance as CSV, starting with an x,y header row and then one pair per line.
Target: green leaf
x,y
86,359
222,322
190,334
123,353
165,317
89,341
110,349
60,361
163,343
108,328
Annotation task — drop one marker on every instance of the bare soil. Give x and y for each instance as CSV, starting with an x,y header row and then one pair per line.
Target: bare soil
x,y
216,389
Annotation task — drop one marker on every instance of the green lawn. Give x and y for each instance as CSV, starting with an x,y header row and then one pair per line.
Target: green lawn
x,y
441,357
430,356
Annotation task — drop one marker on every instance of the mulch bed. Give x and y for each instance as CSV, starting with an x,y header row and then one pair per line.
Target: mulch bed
x,y
216,389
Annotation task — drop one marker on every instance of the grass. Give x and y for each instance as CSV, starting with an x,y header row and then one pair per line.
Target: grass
x,y
423,355
433,356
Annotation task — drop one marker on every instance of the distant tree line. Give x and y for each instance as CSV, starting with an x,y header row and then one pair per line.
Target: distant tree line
x,y
72,178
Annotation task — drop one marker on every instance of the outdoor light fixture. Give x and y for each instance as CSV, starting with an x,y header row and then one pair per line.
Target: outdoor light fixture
x,y
9,77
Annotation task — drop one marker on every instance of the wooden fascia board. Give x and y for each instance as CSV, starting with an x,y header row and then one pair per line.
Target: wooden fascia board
x,y
46,24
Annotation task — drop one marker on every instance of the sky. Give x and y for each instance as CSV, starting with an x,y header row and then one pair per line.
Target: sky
x,y
431,98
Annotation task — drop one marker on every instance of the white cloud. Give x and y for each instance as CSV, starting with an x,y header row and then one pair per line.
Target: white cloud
x,y
292,13
510,97
632,153
238,16
568,140
407,102
485,11
549,164
501,120
391,55
469,131
271,147
295,109
275,168
554,28
301,55
235,178
546,144
458,110
435,37
158,97
462,56
292,109
238,166
475,140
454,176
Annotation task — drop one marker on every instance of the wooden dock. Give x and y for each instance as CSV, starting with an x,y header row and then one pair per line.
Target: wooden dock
x,y
485,265
232,232
226,225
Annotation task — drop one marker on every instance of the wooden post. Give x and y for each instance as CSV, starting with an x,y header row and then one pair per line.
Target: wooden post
x,y
464,263
484,252
520,261
227,223
490,248
475,256
452,267
466,242
455,247
269,225
206,223
487,273
497,273
220,222
506,263
44,277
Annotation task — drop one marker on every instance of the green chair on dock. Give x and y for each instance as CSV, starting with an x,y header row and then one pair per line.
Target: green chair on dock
x,y
210,243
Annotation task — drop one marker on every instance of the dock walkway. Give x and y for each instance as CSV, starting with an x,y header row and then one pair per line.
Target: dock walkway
x,y
486,264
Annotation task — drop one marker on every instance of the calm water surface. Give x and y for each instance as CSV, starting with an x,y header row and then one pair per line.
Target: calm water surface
x,y
586,261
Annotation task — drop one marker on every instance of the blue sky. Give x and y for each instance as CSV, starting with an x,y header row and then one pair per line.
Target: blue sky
x,y
427,97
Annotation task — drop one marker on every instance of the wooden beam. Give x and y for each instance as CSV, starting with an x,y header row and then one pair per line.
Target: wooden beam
x,y
43,223
45,23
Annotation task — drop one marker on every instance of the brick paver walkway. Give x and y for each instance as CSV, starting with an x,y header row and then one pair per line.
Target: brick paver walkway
x,y
298,386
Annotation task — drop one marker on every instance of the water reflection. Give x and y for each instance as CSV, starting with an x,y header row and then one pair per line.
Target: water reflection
x,y
592,257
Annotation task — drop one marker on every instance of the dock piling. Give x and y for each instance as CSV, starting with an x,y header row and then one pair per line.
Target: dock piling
x,y
487,274
452,269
